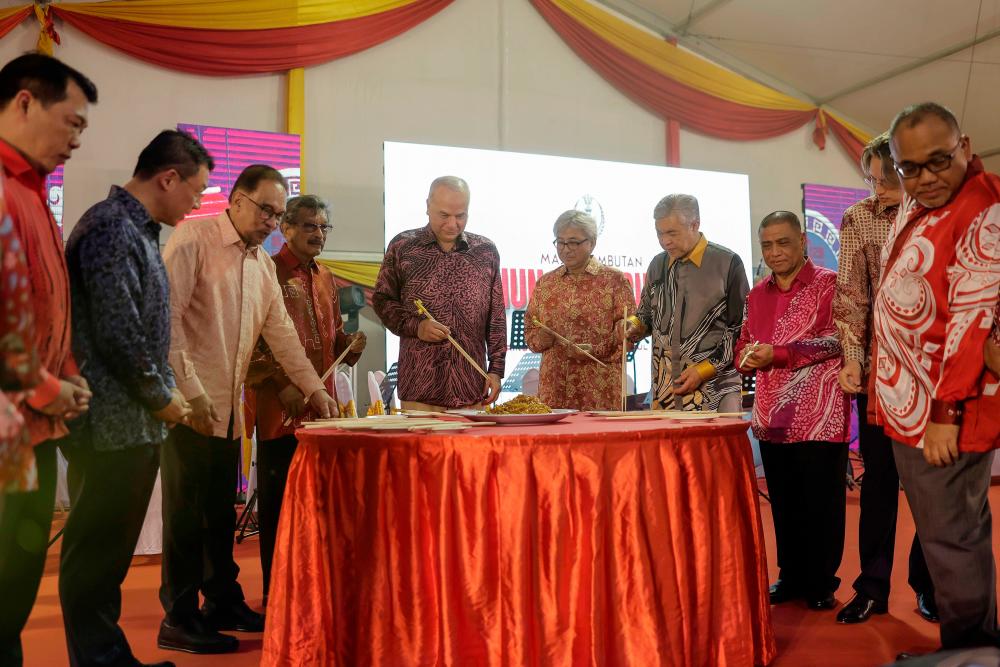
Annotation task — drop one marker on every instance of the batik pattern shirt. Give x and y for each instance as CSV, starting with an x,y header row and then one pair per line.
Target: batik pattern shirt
x,y
798,397
934,309
693,308
313,304
585,308
462,290
19,370
863,232
121,324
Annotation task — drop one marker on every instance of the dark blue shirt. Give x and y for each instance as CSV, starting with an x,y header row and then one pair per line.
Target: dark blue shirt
x,y
121,323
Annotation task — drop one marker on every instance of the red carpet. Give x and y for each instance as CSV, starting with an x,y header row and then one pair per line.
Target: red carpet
x,y
805,639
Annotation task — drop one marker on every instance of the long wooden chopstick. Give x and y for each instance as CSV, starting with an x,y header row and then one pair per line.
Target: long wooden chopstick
x,y
567,341
624,356
426,313
326,375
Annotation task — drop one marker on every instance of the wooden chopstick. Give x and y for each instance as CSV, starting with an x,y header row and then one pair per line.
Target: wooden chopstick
x,y
624,356
567,341
426,313
326,375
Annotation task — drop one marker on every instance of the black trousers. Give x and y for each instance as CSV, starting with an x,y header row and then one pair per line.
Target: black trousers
x,y
879,508
808,491
273,460
25,523
109,494
198,476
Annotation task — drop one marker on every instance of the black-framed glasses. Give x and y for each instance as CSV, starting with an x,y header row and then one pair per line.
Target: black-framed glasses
x,y
266,211
312,227
935,165
572,245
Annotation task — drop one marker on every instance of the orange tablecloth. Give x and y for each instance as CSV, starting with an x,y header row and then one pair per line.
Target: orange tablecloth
x,y
591,542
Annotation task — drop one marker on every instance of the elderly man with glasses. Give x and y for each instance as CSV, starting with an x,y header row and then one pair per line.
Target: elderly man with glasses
x,y
311,299
224,294
586,302
932,315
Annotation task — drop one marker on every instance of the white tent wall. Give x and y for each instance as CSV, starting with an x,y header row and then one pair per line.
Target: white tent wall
x,y
482,73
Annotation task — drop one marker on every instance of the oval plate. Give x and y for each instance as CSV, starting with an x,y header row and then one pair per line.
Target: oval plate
x,y
544,418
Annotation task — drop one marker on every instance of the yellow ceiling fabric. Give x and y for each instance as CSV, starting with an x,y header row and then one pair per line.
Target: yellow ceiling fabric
x,y
233,14
295,115
360,273
680,65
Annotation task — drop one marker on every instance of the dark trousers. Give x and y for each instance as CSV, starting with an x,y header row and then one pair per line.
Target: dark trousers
x,y
198,476
808,491
273,460
877,524
951,510
25,523
109,494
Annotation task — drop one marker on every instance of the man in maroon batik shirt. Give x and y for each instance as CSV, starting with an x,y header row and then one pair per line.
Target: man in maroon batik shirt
x,y
43,111
457,276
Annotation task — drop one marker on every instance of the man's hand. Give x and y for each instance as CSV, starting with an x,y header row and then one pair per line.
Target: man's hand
x,y
175,411
763,355
82,396
491,388
688,381
358,342
574,353
203,415
941,444
635,332
431,331
293,400
991,355
850,377
323,404
71,401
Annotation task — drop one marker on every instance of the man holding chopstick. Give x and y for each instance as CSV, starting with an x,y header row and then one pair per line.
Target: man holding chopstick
x,y
310,294
456,277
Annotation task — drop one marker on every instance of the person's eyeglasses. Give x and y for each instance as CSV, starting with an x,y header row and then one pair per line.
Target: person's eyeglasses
x,y
935,165
197,192
312,227
266,212
883,183
572,245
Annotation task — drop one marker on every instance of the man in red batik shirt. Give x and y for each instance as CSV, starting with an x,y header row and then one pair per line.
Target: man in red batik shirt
x,y
932,315
43,111
310,293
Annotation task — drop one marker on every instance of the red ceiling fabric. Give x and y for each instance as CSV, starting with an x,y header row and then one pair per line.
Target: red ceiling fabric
x,y
9,23
854,146
230,52
694,109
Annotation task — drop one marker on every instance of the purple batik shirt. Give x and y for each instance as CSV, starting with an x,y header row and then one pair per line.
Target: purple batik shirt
x,y
462,290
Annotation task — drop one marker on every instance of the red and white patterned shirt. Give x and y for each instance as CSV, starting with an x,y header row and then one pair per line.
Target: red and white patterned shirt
x,y
934,309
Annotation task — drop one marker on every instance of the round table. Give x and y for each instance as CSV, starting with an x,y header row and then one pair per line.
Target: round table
x,y
588,542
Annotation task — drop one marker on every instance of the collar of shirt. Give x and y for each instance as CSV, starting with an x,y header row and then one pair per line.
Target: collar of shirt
x,y
803,277
286,257
17,165
697,253
426,237
138,214
229,235
593,267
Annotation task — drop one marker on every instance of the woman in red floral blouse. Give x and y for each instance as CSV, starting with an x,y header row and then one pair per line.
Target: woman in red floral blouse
x,y
584,301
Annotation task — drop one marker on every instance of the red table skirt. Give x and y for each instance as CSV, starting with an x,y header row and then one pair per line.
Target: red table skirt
x,y
590,543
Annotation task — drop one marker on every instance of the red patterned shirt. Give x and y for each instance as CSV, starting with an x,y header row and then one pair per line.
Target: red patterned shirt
x,y
462,290
798,397
934,308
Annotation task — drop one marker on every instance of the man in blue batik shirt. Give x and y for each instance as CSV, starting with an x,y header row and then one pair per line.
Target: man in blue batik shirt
x,y
121,336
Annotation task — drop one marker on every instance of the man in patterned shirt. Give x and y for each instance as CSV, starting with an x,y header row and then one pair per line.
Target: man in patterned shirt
x,y
692,303
457,276
862,236
932,315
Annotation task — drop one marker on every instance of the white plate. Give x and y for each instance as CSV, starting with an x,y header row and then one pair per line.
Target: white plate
x,y
544,418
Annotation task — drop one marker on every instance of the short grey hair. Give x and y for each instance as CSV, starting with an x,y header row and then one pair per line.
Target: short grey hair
x,y
578,219
309,202
453,183
685,206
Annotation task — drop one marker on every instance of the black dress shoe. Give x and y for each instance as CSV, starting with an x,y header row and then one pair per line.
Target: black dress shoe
x,y
192,636
821,602
860,609
927,607
780,591
237,616
907,655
